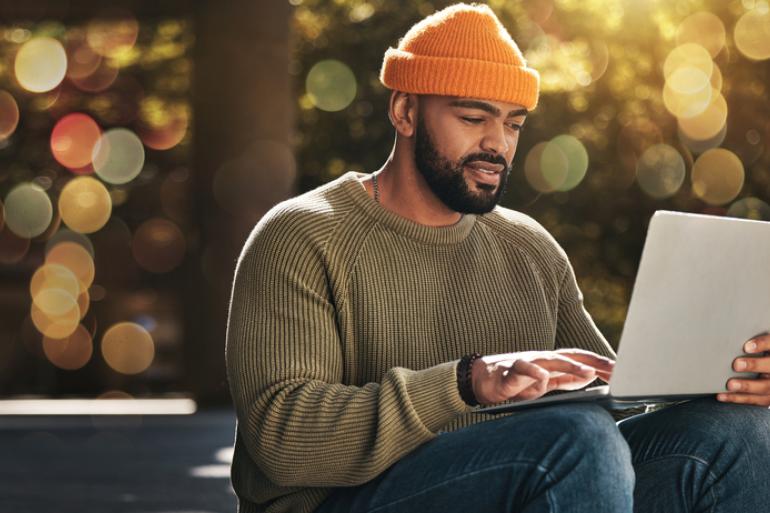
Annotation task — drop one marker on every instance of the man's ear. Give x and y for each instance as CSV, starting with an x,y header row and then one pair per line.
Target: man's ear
x,y
402,111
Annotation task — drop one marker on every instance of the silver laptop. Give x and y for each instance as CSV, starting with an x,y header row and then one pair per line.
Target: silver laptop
x,y
702,290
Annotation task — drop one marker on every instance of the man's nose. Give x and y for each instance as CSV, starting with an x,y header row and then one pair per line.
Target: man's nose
x,y
494,139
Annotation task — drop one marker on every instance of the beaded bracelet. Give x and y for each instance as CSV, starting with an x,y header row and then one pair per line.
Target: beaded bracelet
x,y
464,374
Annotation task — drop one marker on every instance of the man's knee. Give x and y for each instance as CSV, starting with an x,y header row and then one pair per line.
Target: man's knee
x,y
737,430
593,432
570,436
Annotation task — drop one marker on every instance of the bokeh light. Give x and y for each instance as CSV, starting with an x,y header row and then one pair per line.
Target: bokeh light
x,y
704,29
9,114
82,61
128,348
55,313
688,70
118,156
163,126
28,210
73,139
750,208
112,36
158,245
84,302
331,85
74,257
99,80
545,168
698,146
717,176
54,301
556,165
577,160
12,247
660,171
635,136
53,276
52,228
600,59
752,34
708,123
717,80
67,235
40,64
688,56
686,105
72,352
85,204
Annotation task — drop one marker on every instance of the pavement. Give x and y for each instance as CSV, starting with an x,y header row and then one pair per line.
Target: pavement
x,y
117,464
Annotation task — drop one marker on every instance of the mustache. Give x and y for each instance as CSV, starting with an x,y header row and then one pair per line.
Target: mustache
x,y
494,159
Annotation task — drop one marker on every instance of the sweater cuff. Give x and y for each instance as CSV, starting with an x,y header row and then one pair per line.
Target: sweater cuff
x,y
434,395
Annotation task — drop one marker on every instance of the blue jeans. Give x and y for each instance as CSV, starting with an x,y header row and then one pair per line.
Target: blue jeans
x,y
699,456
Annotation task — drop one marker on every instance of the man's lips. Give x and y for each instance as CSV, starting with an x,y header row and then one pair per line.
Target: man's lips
x,y
485,172
483,165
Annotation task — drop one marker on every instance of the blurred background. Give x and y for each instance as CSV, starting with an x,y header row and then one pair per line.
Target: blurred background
x,y
140,143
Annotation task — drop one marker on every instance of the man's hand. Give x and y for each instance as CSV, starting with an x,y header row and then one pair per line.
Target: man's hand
x,y
751,391
531,374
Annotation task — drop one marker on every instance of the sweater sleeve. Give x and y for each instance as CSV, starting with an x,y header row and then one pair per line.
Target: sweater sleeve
x,y
574,325
301,425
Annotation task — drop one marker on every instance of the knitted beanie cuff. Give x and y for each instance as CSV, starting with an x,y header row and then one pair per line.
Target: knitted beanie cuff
x,y
452,76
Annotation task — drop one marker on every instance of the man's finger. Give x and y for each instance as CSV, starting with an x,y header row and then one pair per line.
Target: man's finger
x,y
759,400
568,382
754,364
524,368
758,344
749,386
531,392
588,358
565,365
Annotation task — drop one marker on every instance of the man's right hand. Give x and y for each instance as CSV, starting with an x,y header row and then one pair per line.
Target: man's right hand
x,y
531,374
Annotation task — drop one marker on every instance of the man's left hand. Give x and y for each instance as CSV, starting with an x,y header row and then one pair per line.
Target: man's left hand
x,y
751,391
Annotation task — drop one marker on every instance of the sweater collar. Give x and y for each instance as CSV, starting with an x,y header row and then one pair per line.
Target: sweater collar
x,y
431,234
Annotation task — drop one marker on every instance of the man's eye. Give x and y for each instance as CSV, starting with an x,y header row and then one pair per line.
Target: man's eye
x,y
475,121
515,127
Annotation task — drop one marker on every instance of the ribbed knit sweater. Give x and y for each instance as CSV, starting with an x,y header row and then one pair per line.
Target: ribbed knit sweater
x,y
346,324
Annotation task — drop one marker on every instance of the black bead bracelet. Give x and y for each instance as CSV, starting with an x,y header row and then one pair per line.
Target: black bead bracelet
x,y
464,375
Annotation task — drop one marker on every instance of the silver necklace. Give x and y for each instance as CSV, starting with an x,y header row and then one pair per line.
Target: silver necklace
x,y
374,186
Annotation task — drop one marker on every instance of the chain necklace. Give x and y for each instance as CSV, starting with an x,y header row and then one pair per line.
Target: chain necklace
x,y
374,186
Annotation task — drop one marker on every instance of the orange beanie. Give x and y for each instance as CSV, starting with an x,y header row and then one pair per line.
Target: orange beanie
x,y
462,50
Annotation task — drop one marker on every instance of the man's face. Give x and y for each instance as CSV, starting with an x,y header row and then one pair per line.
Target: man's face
x,y
466,154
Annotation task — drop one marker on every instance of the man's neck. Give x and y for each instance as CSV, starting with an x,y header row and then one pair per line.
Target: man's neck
x,y
403,191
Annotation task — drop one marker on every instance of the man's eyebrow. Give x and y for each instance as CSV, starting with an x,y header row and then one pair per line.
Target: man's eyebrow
x,y
486,107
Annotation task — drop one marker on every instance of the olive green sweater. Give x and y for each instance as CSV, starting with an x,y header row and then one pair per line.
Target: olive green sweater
x,y
347,321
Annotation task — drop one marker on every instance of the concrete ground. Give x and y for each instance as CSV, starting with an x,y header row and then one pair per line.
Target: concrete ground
x,y
128,464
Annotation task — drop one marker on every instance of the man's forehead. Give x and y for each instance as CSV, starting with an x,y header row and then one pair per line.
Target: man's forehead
x,y
493,107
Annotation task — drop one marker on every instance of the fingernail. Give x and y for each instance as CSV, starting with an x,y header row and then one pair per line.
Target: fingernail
x,y
740,365
751,347
733,386
721,397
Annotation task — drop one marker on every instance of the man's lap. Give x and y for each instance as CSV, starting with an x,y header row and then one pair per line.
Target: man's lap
x,y
532,444
538,444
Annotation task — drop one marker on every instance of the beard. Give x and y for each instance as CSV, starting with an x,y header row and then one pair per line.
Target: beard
x,y
446,178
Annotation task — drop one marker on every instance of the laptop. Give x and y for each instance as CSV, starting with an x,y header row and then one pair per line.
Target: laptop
x,y
702,290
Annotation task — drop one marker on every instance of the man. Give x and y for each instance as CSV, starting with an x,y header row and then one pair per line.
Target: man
x,y
360,308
